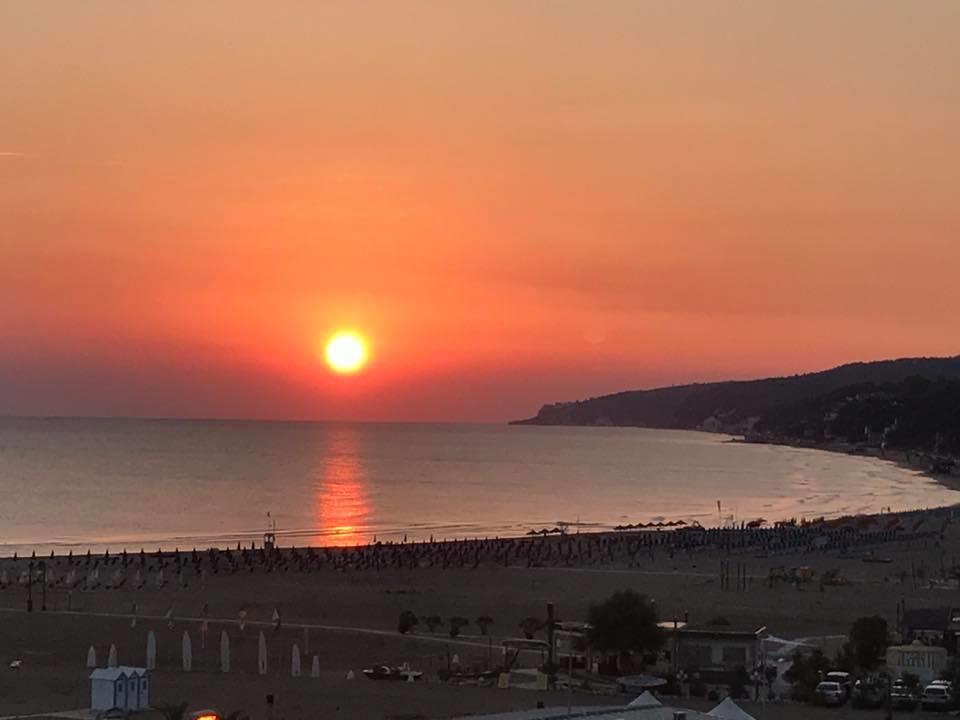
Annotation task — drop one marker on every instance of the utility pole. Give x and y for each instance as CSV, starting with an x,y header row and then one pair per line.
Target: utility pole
x,y
551,671
43,585
30,587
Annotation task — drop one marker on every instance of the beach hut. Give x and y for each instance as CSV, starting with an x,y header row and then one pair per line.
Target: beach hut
x,y
126,688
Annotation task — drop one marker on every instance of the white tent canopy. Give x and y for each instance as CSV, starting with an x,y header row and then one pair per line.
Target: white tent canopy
x,y
645,699
729,710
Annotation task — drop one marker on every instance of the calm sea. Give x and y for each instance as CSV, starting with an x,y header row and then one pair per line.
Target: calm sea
x,y
77,483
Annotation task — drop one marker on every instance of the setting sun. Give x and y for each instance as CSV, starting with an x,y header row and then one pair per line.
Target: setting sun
x,y
346,352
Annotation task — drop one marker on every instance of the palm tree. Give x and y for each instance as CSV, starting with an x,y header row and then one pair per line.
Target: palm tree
x,y
406,622
172,712
483,622
530,626
433,622
456,623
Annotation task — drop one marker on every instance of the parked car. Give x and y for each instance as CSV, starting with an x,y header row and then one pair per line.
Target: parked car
x,y
903,697
937,696
830,693
841,678
870,692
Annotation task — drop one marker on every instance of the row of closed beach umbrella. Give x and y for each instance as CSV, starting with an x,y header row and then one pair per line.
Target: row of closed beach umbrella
x,y
186,652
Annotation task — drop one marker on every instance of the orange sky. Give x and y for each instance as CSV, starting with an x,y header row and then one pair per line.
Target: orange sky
x,y
518,202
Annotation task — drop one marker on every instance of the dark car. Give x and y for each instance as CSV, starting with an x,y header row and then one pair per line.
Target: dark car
x,y
903,697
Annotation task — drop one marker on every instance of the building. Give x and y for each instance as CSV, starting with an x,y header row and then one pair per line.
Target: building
x,y
932,626
924,661
126,688
715,648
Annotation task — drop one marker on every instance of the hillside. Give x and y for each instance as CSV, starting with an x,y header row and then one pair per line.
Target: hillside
x,y
734,406
917,414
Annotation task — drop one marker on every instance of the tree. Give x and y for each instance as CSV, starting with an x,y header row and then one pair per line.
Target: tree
x,y
530,626
406,622
433,622
456,624
483,622
806,673
626,623
867,640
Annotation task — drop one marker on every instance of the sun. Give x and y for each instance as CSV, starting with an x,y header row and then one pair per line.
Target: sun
x,y
346,352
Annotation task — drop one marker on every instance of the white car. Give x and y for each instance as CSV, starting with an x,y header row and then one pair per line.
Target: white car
x,y
936,696
831,693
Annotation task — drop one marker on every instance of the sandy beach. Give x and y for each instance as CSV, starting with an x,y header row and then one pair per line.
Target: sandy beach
x,y
344,604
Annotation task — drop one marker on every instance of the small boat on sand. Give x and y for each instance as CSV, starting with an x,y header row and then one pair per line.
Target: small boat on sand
x,y
385,672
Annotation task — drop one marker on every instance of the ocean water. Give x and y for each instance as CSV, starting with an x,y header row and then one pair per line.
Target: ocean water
x,y
79,483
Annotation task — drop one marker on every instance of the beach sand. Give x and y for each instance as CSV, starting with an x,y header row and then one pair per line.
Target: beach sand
x,y
358,611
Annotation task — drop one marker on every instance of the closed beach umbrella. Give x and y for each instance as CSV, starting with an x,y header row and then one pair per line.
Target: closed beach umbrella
x,y
151,651
92,657
187,651
262,654
315,668
112,656
295,661
224,652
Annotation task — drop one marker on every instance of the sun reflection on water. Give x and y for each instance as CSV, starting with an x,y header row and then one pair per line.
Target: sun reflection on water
x,y
340,501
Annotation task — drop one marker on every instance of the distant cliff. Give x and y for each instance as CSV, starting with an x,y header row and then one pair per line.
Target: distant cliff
x,y
733,406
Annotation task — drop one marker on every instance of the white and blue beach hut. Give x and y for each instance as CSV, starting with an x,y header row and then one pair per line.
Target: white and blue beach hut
x,y
123,687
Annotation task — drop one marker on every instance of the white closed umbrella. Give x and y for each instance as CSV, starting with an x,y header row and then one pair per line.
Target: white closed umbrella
x,y
295,661
262,654
187,650
112,656
92,657
151,651
315,668
224,652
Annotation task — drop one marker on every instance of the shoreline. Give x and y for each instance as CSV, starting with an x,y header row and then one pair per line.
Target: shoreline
x,y
914,461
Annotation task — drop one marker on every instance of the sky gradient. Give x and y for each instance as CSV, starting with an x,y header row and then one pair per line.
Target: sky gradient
x,y
516,202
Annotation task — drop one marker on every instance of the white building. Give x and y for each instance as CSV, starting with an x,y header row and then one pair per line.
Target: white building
x,y
924,661
127,688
